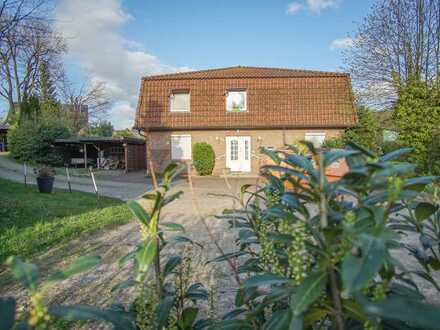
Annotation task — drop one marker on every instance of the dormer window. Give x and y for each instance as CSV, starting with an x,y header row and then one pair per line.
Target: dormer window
x,y
180,101
236,100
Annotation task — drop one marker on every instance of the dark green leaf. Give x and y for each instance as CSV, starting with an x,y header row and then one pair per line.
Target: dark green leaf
x,y
80,265
163,311
395,154
139,212
172,198
280,320
196,292
120,320
172,263
183,239
234,325
26,273
334,155
189,315
123,260
7,313
416,313
265,279
310,290
171,226
357,271
425,210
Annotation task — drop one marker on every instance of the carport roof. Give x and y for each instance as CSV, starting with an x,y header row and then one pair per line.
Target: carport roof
x,y
99,139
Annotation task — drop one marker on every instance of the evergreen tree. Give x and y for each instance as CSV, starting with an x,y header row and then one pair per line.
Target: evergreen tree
x,y
417,117
47,86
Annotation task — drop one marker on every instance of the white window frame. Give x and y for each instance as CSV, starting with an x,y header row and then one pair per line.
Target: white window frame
x,y
190,146
236,91
183,91
312,134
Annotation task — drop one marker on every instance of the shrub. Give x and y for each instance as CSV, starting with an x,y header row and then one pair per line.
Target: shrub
x,y
204,158
417,116
331,268
366,132
32,142
333,143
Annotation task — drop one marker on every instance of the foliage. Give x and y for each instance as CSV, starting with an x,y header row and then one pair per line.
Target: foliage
x,y
47,85
100,128
171,302
366,132
433,153
417,114
32,222
125,133
32,141
328,266
29,109
45,172
203,158
42,316
334,143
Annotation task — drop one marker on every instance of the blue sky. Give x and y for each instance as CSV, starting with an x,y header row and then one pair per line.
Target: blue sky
x,y
119,41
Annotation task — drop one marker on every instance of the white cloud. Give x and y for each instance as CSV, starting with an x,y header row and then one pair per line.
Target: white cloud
x,y
342,43
293,8
315,6
92,31
318,5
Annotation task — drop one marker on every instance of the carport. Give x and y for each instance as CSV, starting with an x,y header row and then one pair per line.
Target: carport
x,y
105,153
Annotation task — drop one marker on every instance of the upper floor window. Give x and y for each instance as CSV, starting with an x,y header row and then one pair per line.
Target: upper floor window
x,y
179,101
316,138
236,100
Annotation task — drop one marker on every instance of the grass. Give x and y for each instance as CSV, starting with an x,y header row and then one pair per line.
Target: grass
x,y
32,222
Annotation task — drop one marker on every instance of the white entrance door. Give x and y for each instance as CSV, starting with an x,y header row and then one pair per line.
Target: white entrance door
x,y
238,153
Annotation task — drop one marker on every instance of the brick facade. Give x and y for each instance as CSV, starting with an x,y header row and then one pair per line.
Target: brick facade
x,y
161,144
282,106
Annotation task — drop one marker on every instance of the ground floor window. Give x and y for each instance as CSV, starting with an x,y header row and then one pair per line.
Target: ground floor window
x,y
181,147
316,138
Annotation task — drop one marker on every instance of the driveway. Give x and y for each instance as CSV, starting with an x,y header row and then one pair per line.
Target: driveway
x,y
94,287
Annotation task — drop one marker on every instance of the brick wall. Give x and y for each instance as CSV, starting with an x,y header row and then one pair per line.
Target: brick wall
x,y
161,143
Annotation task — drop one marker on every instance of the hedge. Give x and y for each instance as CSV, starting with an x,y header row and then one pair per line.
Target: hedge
x,y
203,158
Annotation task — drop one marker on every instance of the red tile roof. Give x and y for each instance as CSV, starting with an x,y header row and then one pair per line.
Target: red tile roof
x,y
245,72
276,98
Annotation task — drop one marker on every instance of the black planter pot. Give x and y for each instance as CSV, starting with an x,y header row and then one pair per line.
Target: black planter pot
x,y
45,185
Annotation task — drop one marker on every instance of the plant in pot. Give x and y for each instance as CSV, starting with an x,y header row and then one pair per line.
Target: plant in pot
x,y
45,179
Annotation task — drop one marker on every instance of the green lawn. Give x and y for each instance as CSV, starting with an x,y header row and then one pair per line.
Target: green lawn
x,y
31,222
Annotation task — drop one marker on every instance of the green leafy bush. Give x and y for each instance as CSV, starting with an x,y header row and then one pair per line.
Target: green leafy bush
x,y
319,255
417,116
334,143
203,158
366,132
32,141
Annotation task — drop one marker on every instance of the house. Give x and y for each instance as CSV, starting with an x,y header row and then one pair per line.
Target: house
x,y
4,127
237,110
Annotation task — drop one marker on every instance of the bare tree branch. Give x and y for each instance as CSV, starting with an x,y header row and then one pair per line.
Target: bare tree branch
x,y
397,40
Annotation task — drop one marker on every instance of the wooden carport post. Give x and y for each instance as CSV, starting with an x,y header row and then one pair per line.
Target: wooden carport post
x,y
85,155
125,145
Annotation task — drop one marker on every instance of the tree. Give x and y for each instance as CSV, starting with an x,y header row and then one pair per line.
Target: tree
x,y
100,128
90,99
46,84
417,117
366,132
399,39
14,12
22,51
